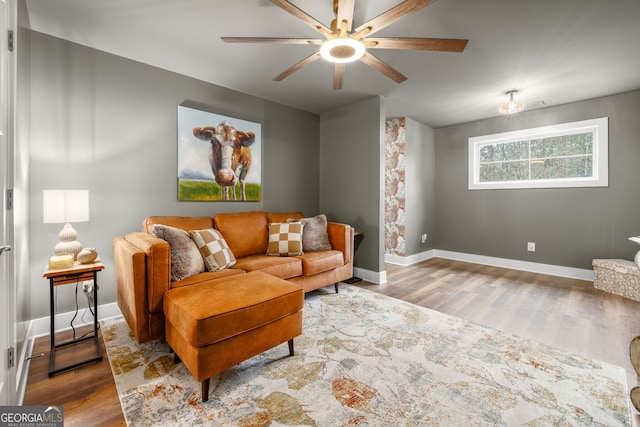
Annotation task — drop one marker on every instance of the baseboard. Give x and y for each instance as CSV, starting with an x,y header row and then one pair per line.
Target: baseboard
x,y
22,369
534,267
41,326
411,259
377,277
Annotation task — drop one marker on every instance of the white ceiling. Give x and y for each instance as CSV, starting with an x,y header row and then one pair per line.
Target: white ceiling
x,y
556,51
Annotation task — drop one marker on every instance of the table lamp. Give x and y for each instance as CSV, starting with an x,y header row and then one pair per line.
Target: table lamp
x,y
66,206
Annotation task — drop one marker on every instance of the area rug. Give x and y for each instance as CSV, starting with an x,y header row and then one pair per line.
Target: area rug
x,y
366,359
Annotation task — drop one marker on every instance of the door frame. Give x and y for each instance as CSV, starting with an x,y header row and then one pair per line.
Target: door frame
x,y
8,372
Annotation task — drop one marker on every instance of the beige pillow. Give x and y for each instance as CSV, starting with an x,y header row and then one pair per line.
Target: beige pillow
x,y
285,239
315,236
214,249
185,259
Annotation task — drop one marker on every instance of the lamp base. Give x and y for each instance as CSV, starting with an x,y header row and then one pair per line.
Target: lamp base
x,y
68,243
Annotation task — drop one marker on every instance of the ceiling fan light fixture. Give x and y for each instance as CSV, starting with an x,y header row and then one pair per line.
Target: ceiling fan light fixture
x,y
512,106
342,50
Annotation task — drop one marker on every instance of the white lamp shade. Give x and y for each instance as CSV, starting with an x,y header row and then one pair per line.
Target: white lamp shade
x,y
65,206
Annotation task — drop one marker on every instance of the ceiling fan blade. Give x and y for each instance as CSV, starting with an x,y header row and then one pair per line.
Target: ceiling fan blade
x,y
274,40
344,11
338,77
384,68
442,45
392,15
286,73
298,13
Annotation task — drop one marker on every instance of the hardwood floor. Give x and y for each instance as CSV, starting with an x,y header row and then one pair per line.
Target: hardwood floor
x,y
566,313
88,394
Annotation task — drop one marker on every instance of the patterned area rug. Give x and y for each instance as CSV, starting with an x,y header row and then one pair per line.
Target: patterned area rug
x,y
370,360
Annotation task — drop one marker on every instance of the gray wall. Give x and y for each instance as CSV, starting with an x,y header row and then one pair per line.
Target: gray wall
x,y
570,226
109,125
420,187
351,177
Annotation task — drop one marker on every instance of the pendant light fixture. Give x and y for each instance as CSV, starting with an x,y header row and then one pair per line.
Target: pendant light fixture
x,y
512,106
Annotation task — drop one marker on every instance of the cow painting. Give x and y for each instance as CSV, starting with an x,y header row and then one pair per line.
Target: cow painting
x,y
229,156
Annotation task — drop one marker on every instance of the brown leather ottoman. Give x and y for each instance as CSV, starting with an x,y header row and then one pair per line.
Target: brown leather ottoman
x,y
215,325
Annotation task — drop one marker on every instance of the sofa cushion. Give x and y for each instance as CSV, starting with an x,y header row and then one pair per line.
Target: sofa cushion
x,y
315,236
221,309
214,249
206,276
185,223
283,216
285,239
185,259
245,232
282,267
319,261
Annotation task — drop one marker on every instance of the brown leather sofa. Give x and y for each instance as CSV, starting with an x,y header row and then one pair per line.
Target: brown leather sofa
x,y
142,262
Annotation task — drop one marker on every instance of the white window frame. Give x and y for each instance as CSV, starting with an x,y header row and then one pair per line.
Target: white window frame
x,y
599,128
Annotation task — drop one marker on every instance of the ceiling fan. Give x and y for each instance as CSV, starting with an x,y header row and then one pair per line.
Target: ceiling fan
x,y
344,44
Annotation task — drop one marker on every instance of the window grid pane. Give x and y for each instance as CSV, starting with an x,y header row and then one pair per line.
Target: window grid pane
x,y
555,157
561,155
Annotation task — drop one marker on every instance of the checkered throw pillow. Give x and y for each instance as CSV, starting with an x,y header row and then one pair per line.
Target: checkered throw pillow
x,y
214,249
285,239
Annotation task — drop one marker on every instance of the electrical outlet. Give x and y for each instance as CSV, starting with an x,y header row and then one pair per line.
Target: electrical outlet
x,y
87,287
531,246
424,238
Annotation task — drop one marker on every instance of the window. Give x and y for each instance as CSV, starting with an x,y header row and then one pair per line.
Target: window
x,y
565,155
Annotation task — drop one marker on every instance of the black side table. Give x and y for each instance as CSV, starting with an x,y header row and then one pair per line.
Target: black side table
x,y
62,276
357,239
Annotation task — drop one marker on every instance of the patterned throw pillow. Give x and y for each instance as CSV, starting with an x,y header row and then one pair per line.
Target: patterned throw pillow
x,y
185,259
315,236
214,249
285,239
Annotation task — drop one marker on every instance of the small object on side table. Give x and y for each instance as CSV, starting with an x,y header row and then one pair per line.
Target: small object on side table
x,y
61,261
87,255
77,273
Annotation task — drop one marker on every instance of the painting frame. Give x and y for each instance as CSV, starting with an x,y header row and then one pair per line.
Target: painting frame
x,y
209,142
